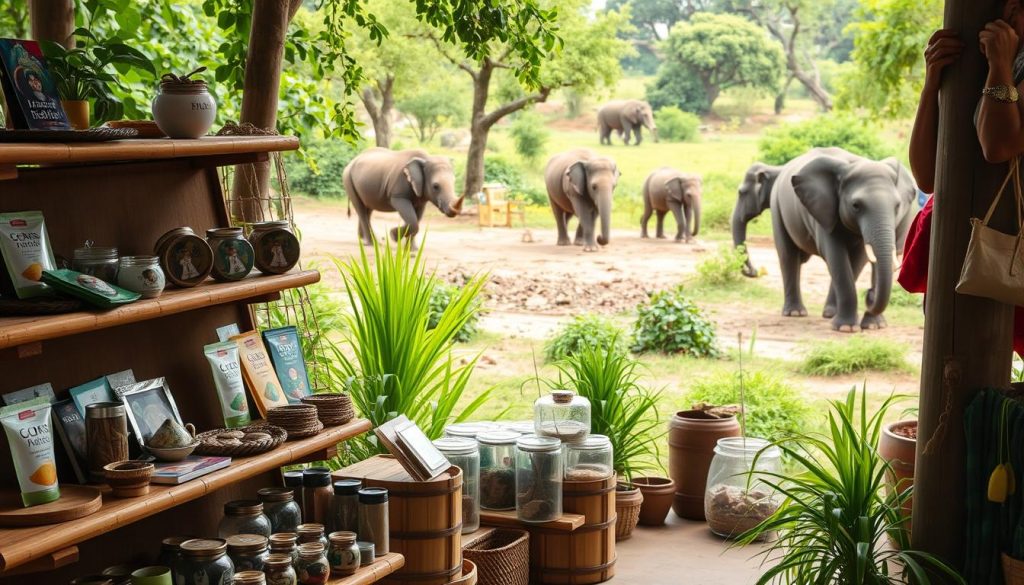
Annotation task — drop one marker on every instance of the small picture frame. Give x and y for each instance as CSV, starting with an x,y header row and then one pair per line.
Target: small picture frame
x,y
149,404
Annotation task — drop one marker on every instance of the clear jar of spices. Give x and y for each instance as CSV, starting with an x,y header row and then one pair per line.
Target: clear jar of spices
x,y
141,274
275,246
345,505
280,508
538,479
204,561
106,435
562,415
312,532
232,254
373,518
279,570
317,494
248,551
98,261
589,459
465,454
498,469
243,517
285,543
344,553
312,567
735,501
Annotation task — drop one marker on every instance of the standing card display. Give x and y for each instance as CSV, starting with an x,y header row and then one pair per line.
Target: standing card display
x,y
29,89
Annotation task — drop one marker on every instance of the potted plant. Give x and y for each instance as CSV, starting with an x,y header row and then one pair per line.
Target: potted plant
x,y
836,512
898,447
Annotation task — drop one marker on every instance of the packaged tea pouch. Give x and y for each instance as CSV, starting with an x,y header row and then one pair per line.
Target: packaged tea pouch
x,y
259,372
227,375
286,353
89,288
27,426
26,251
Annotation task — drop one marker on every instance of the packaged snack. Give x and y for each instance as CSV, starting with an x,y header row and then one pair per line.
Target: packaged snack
x,y
89,288
227,375
28,432
26,251
259,372
286,353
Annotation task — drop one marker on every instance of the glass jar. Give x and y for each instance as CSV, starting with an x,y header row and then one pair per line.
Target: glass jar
x,y
373,518
312,532
735,502
185,257
285,543
141,274
232,254
243,517
498,469
312,567
250,578
465,454
170,553
562,415
275,246
248,551
280,508
523,427
279,571
466,430
317,494
589,459
538,479
204,561
366,553
96,261
345,505
344,553
106,435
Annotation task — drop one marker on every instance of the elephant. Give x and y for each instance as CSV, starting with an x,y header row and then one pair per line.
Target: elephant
x,y
626,117
667,189
581,183
754,196
379,179
847,209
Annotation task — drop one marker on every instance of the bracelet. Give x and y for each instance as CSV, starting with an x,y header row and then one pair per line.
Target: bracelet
x,y
1007,94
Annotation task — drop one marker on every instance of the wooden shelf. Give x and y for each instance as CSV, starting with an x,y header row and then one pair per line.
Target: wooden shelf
x,y
30,153
382,567
19,546
15,331
508,519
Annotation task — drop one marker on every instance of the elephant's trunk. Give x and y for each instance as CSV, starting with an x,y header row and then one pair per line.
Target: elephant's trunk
x,y
604,208
880,247
654,132
695,206
739,238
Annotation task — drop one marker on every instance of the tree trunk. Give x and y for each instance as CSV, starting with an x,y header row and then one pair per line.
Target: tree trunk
x,y
53,20
380,113
478,130
780,99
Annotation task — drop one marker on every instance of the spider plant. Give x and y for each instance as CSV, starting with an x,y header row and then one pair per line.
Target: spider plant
x,y
834,522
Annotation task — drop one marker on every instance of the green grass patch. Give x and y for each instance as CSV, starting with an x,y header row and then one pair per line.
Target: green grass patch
x,y
774,408
859,353
724,268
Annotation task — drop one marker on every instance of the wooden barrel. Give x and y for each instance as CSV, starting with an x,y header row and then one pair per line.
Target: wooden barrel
x,y
692,436
585,555
425,519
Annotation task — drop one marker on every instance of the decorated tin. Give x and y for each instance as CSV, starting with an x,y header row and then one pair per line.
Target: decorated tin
x,y
275,246
185,257
204,561
248,551
232,254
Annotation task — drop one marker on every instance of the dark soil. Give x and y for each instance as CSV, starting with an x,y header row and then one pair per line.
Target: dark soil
x,y
907,431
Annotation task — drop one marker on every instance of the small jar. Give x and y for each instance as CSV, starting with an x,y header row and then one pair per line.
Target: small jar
x,y
562,415
312,567
498,469
106,435
345,505
465,454
96,261
523,427
204,561
312,532
232,254
285,543
183,108
275,246
280,508
279,571
373,518
243,517
538,479
248,551
467,430
185,257
367,553
250,578
141,274
589,459
317,494
736,501
170,553
344,553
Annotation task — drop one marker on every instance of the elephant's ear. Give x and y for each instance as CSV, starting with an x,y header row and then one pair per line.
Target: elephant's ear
x,y
905,184
414,174
577,173
677,179
817,187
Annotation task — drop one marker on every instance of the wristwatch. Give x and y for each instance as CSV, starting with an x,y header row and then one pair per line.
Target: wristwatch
x,y
1002,93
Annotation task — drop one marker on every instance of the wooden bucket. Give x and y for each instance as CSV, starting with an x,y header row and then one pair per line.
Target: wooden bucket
x,y
425,519
586,555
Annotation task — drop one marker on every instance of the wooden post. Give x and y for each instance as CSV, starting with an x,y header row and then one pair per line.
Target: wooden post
x,y
53,20
967,340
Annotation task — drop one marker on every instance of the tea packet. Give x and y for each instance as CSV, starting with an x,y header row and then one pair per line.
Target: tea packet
x,y
26,251
286,353
259,372
90,289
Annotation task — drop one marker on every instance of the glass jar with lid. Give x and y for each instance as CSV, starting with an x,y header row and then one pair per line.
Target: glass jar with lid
x,y
311,532
98,261
345,505
498,469
588,460
141,274
205,561
736,501
285,543
562,415
275,246
279,570
280,508
538,479
248,551
312,568
465,454
523,427
466,430
232,254
243,517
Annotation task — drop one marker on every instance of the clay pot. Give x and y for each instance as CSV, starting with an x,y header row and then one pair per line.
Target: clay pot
x,y
658,492
628,500
77,112
900,452
692,436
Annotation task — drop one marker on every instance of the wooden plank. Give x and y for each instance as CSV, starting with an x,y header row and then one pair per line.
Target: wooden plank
x,y
383,566
468,540
508,519
8,172
50,562
141,149
22,545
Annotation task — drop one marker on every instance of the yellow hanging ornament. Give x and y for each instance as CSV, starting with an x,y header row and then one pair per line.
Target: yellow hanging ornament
x,y
998,485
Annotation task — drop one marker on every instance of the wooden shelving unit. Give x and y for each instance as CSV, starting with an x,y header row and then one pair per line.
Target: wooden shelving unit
x,y
382,567
508,519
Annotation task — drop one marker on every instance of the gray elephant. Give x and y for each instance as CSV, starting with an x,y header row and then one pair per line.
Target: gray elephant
x,y
581,183
667,189
850,211
626,117
379,179
754,197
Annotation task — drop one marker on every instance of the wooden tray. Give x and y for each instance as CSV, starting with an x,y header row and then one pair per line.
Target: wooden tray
x,y
76,501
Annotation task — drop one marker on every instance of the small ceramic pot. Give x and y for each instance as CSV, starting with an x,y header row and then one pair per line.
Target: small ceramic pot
x,y
77,112
141,274
172,435
152,576
659,492
128,479
184,109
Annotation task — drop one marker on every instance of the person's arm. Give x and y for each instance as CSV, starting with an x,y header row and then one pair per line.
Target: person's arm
x,y
943,48
1000,128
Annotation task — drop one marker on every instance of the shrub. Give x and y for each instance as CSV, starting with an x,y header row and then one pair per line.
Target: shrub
x,y
317,172
901,298
676,125
584,331
774,409
676,86
784,143
724,268
671,323
857,354
529,136
500,170
440,298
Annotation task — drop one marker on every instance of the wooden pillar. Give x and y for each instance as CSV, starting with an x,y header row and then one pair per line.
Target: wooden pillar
x,y
967,340
53,20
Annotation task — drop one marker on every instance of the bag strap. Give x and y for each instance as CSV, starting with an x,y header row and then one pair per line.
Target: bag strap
x,y
1014,174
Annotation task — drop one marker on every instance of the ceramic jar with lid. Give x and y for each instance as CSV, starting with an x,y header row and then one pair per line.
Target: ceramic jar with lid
x,y
498,469
205,561
248,551
280,507
279,571
250,578
243,517
312,567
562,415
589,459
345,505
232,254
141,274
344,553
285,543
170,552
465,454
275,246
538,479
184,108
97,261
312,532
185,257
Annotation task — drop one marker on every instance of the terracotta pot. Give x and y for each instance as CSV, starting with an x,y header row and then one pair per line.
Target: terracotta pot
x,y
692,436
77,112
1013,570
628,500
900,452
659,492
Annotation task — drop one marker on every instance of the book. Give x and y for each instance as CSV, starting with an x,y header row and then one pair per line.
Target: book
x,y
30,393
71,430
405,440
92,391
29,89
189,468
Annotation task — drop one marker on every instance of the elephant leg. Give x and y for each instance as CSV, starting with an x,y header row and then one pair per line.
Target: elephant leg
x,y
407,211
688,214
363,213
681,229
661,224
639,135
587,214
646,217
830,303
868,321
606,135
791,259
841,269
624,135
858,258
561,219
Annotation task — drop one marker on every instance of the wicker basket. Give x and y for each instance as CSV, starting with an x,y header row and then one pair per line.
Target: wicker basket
x,y
627,507
210,442
503,558
1013,570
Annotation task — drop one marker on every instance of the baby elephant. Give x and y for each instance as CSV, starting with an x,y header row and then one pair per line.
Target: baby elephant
x,y
667,189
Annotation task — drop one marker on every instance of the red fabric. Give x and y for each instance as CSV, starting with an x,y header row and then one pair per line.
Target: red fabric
x,y
914,271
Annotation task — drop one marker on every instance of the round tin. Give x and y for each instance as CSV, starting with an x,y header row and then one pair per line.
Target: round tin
x,y
232,254
275,246
185,257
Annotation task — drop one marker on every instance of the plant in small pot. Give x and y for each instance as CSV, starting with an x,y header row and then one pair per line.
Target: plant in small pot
x,y
898,446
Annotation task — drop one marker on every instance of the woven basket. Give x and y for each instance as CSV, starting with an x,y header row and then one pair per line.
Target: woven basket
x,y
211,444
1013,570
627,507
503,558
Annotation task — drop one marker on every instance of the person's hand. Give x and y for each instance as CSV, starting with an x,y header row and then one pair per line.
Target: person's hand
x,y
943,48
999,44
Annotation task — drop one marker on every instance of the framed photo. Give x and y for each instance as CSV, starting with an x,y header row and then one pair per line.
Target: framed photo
x,y
149,404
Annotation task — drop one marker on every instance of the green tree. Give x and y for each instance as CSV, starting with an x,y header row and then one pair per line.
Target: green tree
x,y
530,136
434,107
